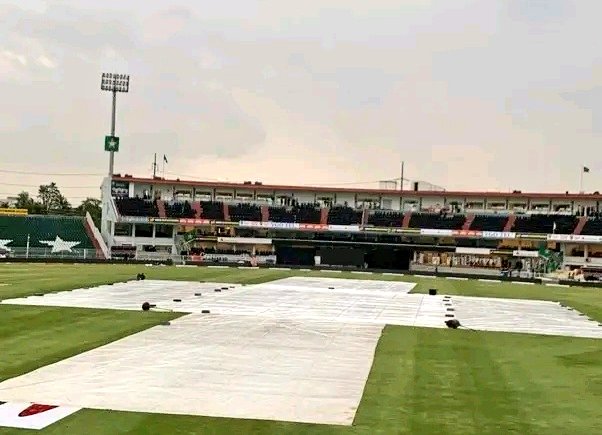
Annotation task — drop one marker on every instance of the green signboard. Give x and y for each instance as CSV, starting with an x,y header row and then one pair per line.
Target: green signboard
x,y
111,143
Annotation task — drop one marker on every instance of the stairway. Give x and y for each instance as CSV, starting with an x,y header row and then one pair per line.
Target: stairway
x,y
580,225
265,213
324,215
161,208
198,210
468,221
406,220
510,223
226,212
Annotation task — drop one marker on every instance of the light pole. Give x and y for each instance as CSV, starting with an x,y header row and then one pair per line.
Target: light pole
x,y
114,83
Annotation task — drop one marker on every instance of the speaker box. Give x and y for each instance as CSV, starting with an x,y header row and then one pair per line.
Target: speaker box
x,y
433,291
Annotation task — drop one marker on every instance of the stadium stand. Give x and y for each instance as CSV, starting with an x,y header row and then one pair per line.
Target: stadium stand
x,y
341,215
544,224
180,210
137,207
212,210
593,227
385,219
488,223
299,213
244,212
437,221
44,228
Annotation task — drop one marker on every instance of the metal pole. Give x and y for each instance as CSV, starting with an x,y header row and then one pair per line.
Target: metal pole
x,y
581,181
155,166
401,181
27,252
112,153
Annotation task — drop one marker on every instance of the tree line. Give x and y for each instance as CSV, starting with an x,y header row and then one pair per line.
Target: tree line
x,y
50,201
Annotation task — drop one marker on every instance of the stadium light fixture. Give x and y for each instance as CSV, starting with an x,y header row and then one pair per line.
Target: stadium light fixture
x,y
114,83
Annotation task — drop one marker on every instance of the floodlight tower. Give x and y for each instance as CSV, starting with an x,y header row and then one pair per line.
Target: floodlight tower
x,y
114,83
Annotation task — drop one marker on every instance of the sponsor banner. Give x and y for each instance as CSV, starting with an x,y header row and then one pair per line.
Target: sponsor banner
x,y
531,236
498,235
187,221
160,220
245,240
134,219
466,233
32,415
432,232
270,225
312,227
574,238
521,253
473,251
120,189
13,211
344,228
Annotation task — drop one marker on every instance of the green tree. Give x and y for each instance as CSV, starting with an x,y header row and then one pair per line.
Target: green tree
x,y
52,199
24,200
92,206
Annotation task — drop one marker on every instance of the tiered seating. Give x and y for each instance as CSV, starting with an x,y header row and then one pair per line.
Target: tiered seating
x,y
244,212
593,227
47,228
307,213
486,222
137,207
301,213
544,224
213,210
437,221
341,215
180,210
385,219
282,214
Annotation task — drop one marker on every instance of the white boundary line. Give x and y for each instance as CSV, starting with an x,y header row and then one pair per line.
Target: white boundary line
x,y
523,283
425,276
218,267
361,272
393,274
489,280
304,270
330,271
457,278
558,285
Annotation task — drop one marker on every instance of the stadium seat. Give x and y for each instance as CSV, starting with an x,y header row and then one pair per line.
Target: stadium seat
x,y
180,210
299,213
593,227
137,207
341,215
437,221
489,222
44,228
544,224
385,219
244,212
213,210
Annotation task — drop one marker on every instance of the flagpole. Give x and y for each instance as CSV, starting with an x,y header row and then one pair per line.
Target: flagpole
x,y
581,180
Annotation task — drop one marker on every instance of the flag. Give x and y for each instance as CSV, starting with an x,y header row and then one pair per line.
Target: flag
x,y
585,169
165,159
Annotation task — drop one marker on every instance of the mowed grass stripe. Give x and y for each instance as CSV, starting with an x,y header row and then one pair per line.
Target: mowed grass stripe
x,y
422,380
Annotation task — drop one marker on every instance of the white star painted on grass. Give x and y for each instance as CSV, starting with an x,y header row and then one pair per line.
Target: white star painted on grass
x,y
3,243
60,245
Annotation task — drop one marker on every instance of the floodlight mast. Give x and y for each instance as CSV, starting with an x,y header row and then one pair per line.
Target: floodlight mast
x,y
114,83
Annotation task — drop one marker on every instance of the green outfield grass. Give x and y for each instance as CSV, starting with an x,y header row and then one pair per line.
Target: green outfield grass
x,y
423,381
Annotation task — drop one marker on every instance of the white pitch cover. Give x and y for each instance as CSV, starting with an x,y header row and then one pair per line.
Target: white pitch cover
x,y
32,415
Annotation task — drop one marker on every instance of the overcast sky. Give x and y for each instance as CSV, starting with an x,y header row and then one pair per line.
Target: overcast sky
x,y
472,94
